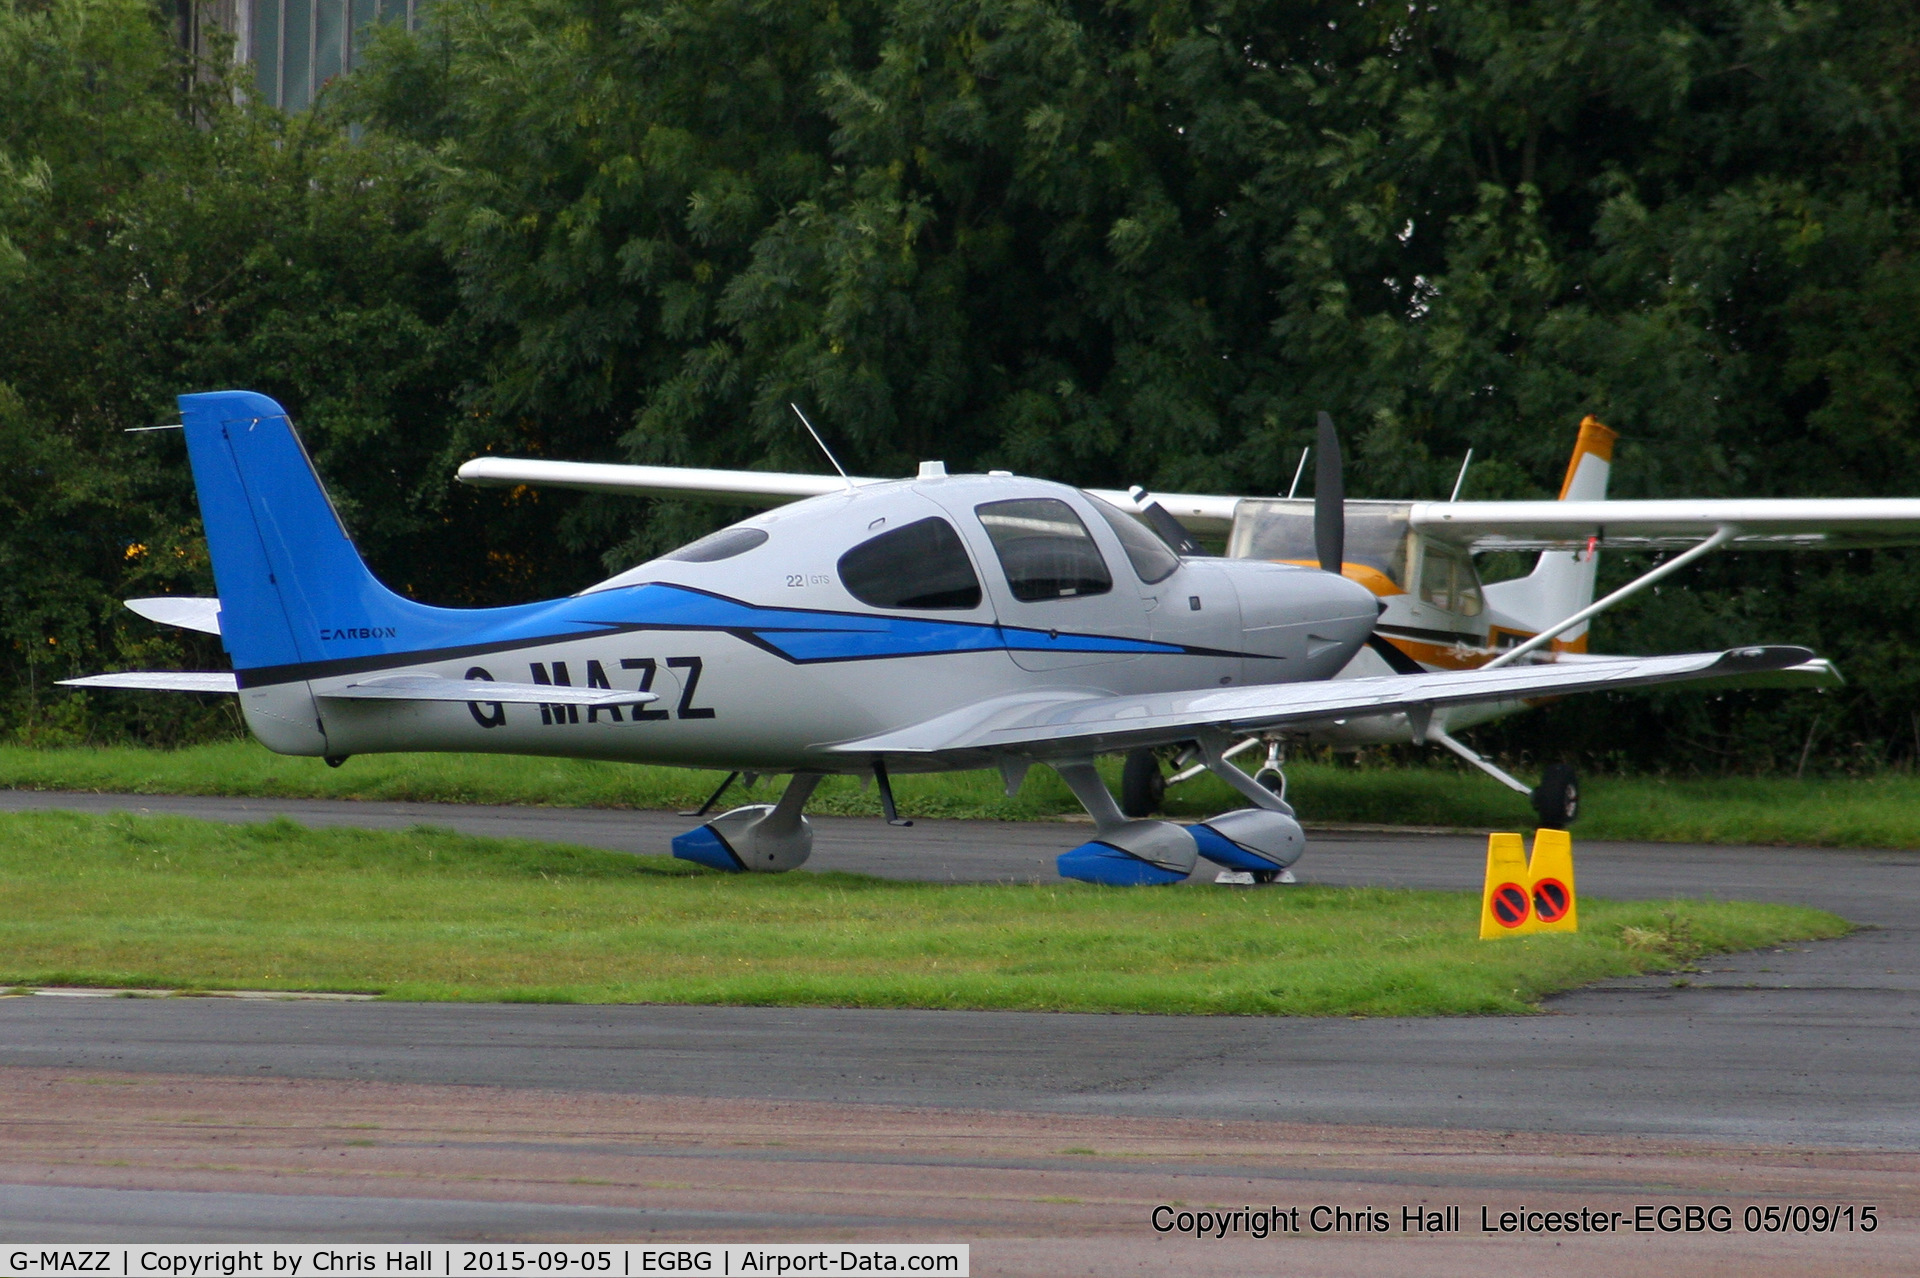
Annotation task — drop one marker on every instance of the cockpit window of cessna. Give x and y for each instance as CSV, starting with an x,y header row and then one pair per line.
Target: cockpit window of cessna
x,y
1378,538
1447,580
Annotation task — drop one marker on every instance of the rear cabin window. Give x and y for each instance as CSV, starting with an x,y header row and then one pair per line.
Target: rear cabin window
x,y
1046,551
724,544
922,565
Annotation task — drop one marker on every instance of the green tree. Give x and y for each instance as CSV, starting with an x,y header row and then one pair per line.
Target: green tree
x,y
1145,241
157,238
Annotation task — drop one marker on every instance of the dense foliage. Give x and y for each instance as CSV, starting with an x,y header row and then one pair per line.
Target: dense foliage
x,y
1129,242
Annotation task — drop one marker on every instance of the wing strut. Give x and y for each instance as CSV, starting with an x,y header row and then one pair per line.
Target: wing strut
x,y
1721,536
1438,734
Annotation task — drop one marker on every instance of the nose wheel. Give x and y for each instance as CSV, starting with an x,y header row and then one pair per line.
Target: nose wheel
x,y
1143,787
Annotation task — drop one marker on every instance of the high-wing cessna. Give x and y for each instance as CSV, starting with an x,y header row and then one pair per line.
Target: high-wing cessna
x,y
876,627
1417,558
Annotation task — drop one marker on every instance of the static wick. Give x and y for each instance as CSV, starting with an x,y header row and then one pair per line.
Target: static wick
x,y
823,444
135,430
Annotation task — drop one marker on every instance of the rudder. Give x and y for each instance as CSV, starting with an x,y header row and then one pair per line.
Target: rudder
x,y
293,589
1562,581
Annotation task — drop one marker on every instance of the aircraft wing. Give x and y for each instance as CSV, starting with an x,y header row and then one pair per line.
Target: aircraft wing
x,y
1771,523
739,487
1817,672
1057,724
1759,523
1198,511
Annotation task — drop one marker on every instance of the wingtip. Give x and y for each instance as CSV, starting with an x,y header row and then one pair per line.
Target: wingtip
x,y
1762,658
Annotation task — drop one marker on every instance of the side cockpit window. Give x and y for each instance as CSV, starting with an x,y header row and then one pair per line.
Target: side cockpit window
x,y
1447,580
1046,551
922,565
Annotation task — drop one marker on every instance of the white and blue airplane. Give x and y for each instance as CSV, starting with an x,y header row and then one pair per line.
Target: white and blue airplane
x,y
928,624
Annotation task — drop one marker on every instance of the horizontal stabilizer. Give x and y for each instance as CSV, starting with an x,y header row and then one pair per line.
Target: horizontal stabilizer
x,y
434,688
189,612
161,681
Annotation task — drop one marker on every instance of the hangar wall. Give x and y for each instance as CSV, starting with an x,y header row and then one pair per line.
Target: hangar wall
x,y
294,46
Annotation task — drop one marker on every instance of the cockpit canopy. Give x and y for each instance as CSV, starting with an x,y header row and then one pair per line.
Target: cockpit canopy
x,y
1282,528
1378,539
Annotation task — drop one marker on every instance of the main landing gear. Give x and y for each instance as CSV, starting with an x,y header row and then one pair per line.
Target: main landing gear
x,y
1251,845
1143,786
1556,800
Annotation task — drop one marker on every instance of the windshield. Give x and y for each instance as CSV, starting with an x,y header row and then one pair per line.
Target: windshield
x,y
1152,559
1282,529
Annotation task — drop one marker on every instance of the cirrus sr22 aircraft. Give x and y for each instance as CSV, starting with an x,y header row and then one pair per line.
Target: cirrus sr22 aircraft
x,y
873,627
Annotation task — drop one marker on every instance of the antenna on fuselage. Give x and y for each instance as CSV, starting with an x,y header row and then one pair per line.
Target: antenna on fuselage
x,y
823,444
1461,482
1298,471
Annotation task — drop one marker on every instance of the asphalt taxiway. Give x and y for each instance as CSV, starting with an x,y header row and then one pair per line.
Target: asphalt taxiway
x,y
1809,1046
1816,1042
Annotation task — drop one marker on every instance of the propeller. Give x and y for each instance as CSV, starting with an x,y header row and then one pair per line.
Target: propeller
x,y
1330,531
1329,499
1171,530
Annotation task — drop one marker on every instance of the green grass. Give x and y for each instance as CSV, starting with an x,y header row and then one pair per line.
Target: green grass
x,y
1874,812
244,768
164,902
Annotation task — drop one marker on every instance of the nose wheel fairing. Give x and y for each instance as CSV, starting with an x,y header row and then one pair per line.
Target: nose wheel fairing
x,y
1137,854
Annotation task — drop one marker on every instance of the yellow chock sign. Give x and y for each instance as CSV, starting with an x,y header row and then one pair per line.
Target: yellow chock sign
x,y
1521,897
1506,903
1550,882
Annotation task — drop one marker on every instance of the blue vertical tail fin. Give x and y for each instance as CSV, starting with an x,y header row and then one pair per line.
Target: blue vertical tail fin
x,y
294,591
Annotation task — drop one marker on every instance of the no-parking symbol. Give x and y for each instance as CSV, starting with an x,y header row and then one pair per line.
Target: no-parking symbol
x,y
1510,905
1551,900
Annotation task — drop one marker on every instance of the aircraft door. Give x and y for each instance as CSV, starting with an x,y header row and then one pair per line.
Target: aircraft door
x,y
1064,599
1199,607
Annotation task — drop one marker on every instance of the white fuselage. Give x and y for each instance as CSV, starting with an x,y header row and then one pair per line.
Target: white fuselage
x,y
763,659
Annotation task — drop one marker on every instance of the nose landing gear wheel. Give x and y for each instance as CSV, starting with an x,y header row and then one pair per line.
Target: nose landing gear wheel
x,y
1557,799
1142,785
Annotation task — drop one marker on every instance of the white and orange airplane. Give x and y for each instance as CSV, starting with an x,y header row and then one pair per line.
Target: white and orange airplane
x,y
1417,557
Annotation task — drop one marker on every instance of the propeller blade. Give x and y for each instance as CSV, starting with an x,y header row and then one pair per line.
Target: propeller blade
x,y
1329,499
1399,662
1171,530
